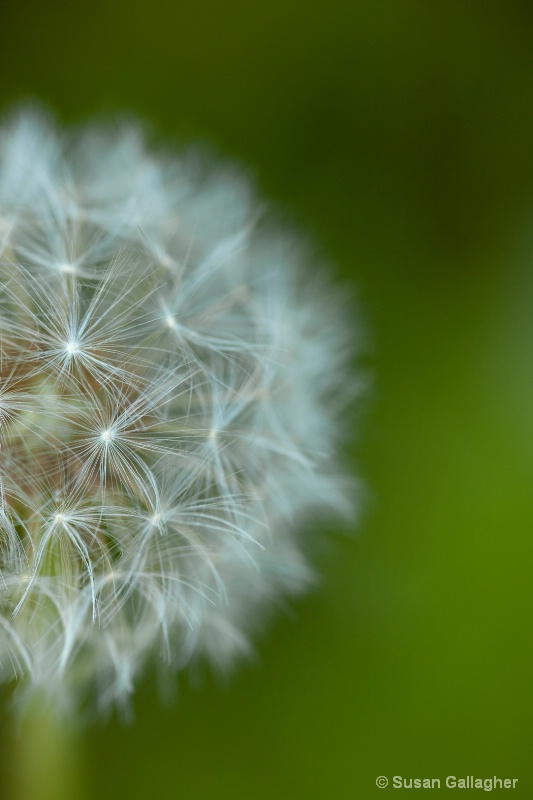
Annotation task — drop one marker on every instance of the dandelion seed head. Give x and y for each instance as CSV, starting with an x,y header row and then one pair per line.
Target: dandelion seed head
x,y
169,363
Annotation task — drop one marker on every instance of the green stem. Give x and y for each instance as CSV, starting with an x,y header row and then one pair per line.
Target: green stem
x,y
44,760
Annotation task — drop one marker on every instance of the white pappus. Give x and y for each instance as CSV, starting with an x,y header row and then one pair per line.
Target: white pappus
x,y
171,376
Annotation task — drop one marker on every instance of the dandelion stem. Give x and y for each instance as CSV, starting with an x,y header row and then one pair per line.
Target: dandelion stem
x,y
45,760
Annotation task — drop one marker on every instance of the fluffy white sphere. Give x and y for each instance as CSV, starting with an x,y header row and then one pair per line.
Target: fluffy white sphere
x,y
171,374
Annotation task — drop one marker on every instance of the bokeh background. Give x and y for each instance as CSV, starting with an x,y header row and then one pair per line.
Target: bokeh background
x,y
400,136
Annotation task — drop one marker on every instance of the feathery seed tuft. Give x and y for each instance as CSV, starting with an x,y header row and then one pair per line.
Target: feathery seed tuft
x,y
171,378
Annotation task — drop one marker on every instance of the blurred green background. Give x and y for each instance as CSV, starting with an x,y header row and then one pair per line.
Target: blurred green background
x,y
399,133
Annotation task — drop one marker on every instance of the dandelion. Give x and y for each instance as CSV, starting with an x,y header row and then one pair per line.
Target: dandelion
x,y
171,377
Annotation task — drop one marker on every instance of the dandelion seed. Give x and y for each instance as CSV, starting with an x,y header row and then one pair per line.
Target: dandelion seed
x,y
170,388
